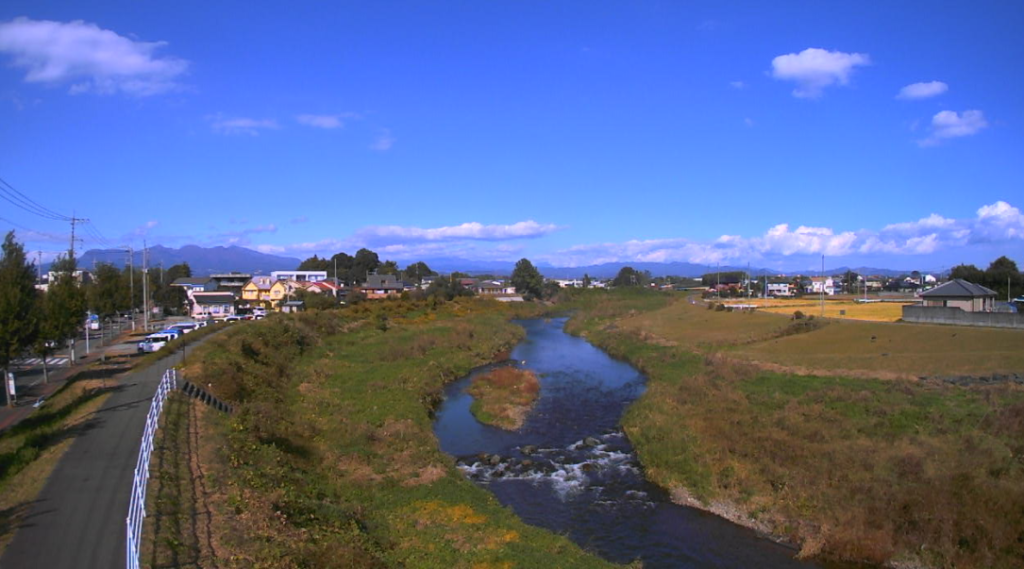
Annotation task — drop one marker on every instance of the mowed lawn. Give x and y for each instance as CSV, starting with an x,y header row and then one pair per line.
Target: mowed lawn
x,y
841,309
842,345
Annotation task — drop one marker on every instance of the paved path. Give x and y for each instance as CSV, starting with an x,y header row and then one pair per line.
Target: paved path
x,y
78,520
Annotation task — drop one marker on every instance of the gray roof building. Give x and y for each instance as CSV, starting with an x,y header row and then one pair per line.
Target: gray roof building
x,y
958,288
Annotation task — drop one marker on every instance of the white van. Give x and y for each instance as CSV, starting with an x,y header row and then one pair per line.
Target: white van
x,y
184,327
154,342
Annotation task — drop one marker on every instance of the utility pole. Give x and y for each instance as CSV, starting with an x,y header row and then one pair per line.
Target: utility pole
x,y
39,266
73,221
131,285
823,286
145,288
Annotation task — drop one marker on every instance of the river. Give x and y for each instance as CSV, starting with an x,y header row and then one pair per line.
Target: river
x,y
572,470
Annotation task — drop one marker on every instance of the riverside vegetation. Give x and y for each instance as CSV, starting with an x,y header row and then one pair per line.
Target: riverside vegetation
x,y
504,396
330,459
882,467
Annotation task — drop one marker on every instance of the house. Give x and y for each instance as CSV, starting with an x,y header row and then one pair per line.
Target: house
x,y
323,287
961,294
281,292
257,291
489,288
778,288
195,284
212,304
230,282
299,276
819,283
382,286
293,306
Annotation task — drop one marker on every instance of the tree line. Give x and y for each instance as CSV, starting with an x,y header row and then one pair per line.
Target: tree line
x,y
1002,276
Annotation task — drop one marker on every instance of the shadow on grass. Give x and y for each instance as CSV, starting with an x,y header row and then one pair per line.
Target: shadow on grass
x,y
43,431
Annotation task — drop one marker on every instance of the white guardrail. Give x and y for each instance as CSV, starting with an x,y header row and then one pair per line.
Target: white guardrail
x,y
137,506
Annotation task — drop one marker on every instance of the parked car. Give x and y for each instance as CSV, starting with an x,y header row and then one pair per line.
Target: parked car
x,y
155,341
185,327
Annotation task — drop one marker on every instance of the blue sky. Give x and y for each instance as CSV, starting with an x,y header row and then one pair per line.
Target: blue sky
x,y
879,133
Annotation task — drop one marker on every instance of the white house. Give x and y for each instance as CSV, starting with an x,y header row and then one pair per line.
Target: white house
x,y
818,282
778,289
300,276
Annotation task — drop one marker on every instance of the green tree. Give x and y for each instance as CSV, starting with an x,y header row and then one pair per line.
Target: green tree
x,y
628,276
850,281
969,273
344,264
109,292
316,300
1002,276
447,288
315,263
388,268
18,305
418,270
527,280
172,298
364,263
586,280
62,309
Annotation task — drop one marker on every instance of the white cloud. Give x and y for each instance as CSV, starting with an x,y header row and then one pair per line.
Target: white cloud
x,y
240,125
383,142
999,222
300,219
813,69
950,124
326,121
96,60
922,90
737,84
933,221
749,122
467,231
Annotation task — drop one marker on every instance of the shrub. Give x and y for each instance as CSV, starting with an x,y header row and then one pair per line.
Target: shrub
x,y
798,315
719,307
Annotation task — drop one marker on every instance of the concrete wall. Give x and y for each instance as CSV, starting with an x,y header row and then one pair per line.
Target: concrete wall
x,y
938,315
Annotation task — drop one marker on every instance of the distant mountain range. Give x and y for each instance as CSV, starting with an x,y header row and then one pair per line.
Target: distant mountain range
x,y
202,260
208,260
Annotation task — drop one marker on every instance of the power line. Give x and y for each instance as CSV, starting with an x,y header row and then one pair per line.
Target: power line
x,y
12,195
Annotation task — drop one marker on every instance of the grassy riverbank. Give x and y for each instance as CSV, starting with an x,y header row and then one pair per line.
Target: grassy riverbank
x,y
865,468
330,458
504,396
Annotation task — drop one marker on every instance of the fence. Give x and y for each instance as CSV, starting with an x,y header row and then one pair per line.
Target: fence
x,y
137,506
956,316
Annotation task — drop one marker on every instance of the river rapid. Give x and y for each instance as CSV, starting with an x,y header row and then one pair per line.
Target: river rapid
x,y
572,470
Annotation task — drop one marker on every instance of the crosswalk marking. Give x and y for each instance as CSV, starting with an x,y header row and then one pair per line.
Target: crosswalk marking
x,y
38,361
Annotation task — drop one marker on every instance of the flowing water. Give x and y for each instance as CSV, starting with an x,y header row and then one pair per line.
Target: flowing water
x,y
571,469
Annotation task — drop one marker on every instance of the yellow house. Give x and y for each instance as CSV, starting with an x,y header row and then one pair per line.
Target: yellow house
x,y
257,290
280,290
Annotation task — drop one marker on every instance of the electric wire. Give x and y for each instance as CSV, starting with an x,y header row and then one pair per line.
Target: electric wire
x,y
12,195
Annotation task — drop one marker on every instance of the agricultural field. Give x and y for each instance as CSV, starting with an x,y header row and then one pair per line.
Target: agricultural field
x,y
849,347
841,308
842,450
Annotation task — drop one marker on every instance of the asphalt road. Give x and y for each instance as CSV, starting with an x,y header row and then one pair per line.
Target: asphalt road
x,y
78,520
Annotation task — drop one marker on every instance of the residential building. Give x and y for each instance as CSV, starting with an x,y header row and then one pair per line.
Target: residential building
x,y
231,282
212,304
299,276
323,287
961,294
281,292
256,292
780,288
195,284
382,286
819,283
293,306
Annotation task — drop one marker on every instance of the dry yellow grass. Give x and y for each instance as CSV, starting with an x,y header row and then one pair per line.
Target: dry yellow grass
x,y
845,346
840,309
